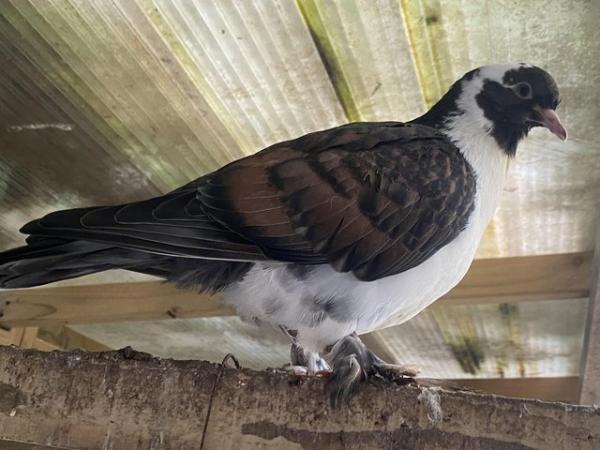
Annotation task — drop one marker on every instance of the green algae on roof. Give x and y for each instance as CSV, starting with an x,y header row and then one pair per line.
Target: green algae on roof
x,y
331,60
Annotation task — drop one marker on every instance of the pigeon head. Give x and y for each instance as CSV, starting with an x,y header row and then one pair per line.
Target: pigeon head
x,y
504,101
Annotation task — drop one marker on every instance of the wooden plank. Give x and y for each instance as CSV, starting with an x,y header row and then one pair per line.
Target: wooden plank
x,y
68,339
524,279
29,337
57,338
7,338
589,388
555,389
15,336
105,303
505,280
45,346
24,337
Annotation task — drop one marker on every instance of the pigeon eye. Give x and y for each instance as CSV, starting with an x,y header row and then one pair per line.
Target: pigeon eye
x,y
523,90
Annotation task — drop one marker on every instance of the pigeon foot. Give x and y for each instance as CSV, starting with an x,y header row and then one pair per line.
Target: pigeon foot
x,y
353,363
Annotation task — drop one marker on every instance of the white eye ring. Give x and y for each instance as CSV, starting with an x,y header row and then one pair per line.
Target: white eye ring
x,y
523,90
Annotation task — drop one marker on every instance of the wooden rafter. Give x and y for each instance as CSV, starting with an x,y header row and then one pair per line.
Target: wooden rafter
x,y
554,389
524,279
48,339
505,280
589,388
65,338
17,337
106,303
24,337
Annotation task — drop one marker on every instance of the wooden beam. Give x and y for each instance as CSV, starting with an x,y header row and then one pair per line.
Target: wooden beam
x,y
57,338
28,336
502,280
15,336
23,337
66,338
150,300
553,389
524,279
9,337
589,388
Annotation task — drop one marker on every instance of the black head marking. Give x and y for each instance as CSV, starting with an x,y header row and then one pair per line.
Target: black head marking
x,y
509,103
544,88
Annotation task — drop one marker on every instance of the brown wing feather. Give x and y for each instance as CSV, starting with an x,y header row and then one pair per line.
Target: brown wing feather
x,y
374,199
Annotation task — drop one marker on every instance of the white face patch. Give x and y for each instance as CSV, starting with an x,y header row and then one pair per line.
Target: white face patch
x,y
471,115
496,72
471,132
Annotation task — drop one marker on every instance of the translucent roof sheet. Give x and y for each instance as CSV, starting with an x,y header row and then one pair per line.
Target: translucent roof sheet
x,y
151,94
206,339
483,341
112,101
487,341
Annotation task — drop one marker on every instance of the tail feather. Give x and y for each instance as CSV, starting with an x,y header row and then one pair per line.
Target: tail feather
x,y
45,261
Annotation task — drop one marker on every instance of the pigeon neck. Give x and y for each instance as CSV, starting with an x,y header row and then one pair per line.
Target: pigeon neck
x,y
443,110
462,107
461,119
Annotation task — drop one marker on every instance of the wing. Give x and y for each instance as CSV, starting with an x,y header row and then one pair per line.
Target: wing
x,y
375,199
171,225
372,198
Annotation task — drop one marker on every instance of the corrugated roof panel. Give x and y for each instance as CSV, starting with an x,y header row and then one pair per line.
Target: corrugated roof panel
x,y
106,102
427,39
60,43
506,340
207,339
551,201
259,62
513,341
365,48
135,98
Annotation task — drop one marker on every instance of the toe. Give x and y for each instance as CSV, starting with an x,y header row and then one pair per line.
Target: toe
x,y
298,370
347,375
394,372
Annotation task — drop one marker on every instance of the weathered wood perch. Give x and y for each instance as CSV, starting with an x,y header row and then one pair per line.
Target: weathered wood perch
x,y
129,400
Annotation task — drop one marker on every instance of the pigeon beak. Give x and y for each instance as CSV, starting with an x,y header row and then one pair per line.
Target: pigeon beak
x,y
548,118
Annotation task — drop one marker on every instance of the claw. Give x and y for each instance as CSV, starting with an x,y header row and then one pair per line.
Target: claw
x,y
353,363
347,375
393,372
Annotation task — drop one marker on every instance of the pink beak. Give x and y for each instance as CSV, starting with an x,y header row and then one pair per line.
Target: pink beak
x,y
549,119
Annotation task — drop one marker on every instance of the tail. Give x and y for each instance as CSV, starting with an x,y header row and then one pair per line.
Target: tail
x,y
168,236
45,260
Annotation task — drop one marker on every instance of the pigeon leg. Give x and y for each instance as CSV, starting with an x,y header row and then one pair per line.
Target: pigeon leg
x,y
353,363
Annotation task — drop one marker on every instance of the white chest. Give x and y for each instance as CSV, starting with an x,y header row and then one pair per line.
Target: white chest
x,y
324,305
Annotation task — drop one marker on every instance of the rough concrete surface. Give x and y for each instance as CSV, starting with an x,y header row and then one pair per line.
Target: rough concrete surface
x,y
129,400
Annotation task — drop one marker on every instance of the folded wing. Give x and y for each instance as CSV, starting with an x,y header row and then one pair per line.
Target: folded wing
x,y
374,199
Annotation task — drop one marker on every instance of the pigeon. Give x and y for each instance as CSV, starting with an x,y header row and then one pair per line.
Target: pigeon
x,y
326,236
